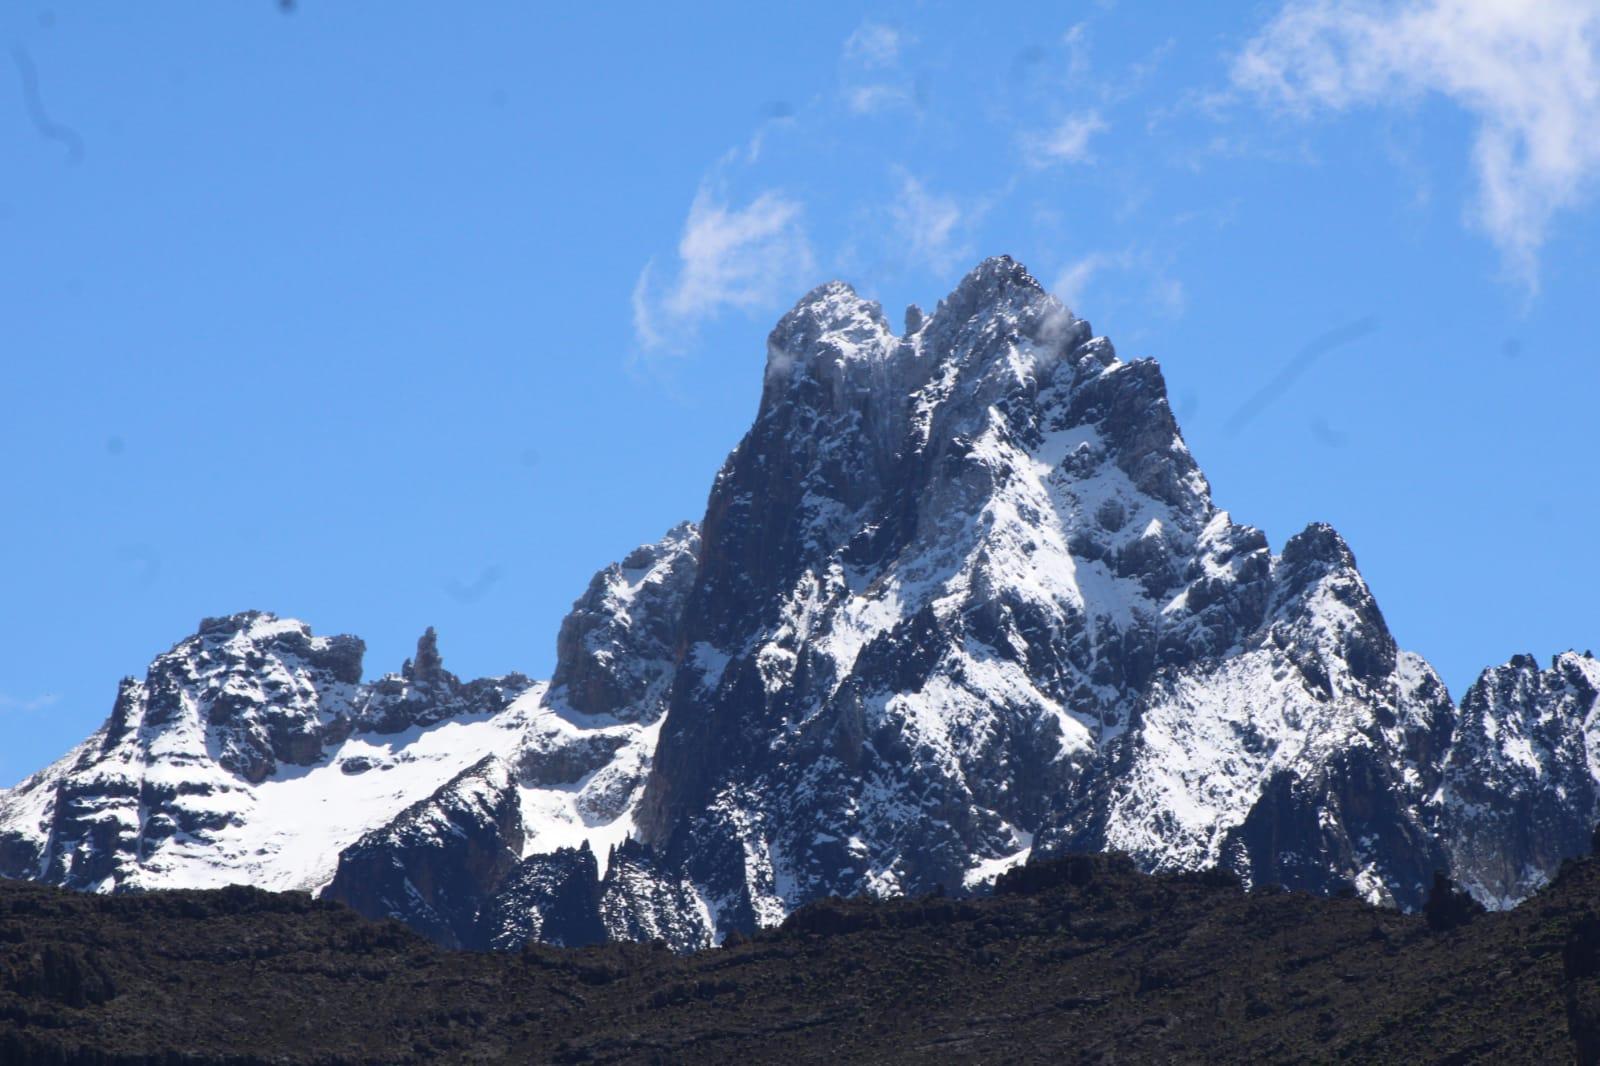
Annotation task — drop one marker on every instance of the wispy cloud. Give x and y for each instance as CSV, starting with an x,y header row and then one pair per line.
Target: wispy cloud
x,y
1149,272
1528,73
871,99
873,81
872,44
1074,278
1067,142
1076,42
740,258
930,226
36,703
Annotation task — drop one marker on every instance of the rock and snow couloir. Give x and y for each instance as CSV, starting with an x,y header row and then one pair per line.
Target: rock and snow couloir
x,y
960,596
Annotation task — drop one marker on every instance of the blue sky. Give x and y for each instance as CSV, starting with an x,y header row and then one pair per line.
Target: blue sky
x,y
417,315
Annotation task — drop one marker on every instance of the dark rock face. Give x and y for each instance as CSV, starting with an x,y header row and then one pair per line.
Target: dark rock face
x,y
616,650
435,865
1520,791
640,899
550,899
424,693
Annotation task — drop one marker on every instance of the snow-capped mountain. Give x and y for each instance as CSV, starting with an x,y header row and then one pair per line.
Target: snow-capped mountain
x,y
243,756
961,596
253,753
966,586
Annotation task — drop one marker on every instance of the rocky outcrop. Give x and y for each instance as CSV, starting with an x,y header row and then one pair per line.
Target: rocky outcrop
x,y
640,899
201,773
1521,789
552,899
435,865
424,693
1304,756
245,697
616,649
494,868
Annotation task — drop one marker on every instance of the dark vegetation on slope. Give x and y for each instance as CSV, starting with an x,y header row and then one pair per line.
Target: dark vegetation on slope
x,y
1082,959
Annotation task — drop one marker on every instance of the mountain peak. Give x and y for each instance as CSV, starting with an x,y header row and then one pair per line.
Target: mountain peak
x,y
833,306
1318,543
243,622
996,282
1000,270
830,324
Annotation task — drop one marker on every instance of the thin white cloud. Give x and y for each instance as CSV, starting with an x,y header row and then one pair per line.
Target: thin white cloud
x,y
729,258
1171,295
929,226
645,329
1067,142
36,703
1076,42
873,80
872,44
1528,73
1144,281
1074,278
871,99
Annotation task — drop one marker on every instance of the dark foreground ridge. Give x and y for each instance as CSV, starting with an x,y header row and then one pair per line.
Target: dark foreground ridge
x,y
1082,959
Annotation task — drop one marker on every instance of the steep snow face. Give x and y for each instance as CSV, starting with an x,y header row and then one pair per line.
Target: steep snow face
x,y
1521,788
938,577
1304,757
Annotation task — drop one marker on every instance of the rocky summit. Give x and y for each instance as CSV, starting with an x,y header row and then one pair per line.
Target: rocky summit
x,y
960,601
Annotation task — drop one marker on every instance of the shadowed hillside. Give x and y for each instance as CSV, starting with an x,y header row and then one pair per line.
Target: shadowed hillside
x,y
1083,959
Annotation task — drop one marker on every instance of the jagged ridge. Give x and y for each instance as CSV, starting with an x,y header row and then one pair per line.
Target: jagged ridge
x,y
961,597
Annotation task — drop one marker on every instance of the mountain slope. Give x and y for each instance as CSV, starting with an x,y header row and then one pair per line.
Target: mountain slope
x,y
253,753
967,586
250,753
961,598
